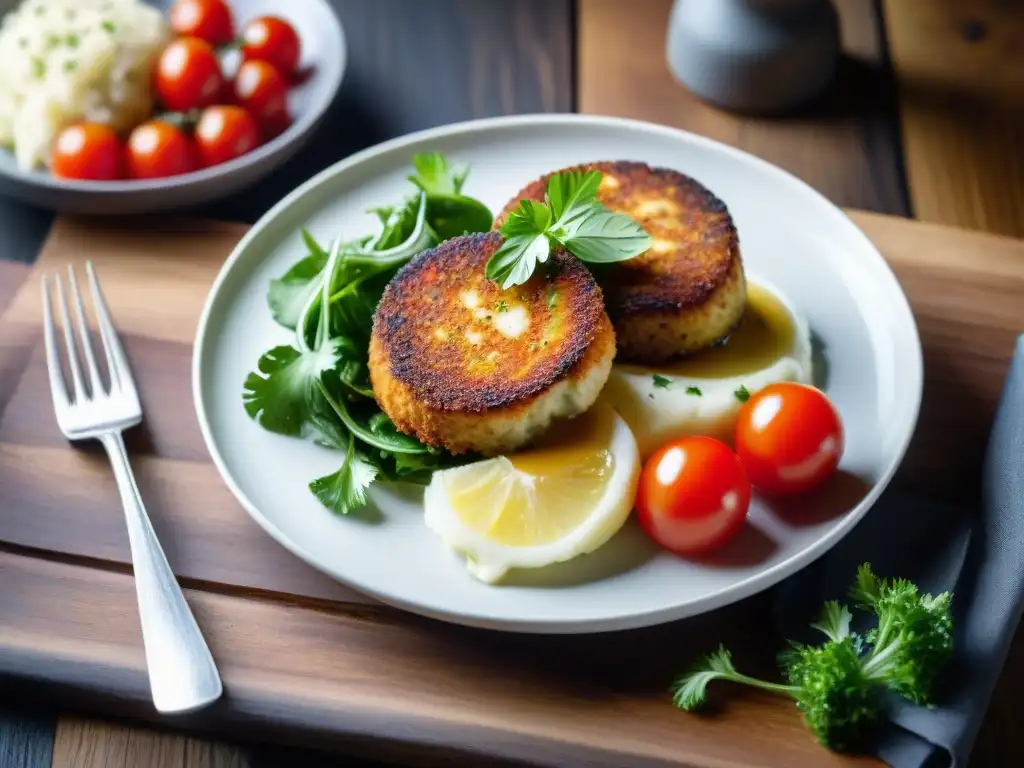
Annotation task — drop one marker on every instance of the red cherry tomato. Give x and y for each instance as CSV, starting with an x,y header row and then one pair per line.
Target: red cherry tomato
x,y
188,75
261,90
693,495
209,20
789,437
157,149
86,151
273,40
225,132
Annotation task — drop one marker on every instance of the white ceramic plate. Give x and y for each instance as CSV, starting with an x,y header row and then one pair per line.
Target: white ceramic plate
x,y
789,234
324,51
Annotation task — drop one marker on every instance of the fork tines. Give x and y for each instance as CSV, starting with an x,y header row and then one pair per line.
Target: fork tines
x,y
119,378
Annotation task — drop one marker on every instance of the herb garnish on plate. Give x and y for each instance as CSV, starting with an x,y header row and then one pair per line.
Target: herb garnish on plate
x,y
570,217
318,388
838,685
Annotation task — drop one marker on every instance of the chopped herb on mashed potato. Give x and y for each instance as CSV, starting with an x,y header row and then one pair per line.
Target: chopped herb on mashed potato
x,y
67,61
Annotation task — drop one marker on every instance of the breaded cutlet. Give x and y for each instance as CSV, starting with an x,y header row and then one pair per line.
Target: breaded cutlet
x,y
688,291
466,366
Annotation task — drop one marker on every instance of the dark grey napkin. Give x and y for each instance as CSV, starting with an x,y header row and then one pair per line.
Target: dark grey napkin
x,y
974,552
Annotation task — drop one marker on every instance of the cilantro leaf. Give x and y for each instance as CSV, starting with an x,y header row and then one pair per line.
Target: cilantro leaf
x,y
345,490
279,396
694,391
661,382
742,394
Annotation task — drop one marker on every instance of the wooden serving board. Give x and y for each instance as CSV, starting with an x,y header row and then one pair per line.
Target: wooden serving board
x,y
306,660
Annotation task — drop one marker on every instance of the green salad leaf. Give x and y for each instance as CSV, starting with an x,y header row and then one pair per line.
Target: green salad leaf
x,y
450,212
319,388
289,294
570,217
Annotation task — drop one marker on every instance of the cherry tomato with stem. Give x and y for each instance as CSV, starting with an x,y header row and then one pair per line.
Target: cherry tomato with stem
x,y
261,90
209,20
789,437
157,149
188,75
86,151
273,40
225,132
693,495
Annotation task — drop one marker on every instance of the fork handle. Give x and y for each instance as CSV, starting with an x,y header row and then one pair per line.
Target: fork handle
x,y
182,673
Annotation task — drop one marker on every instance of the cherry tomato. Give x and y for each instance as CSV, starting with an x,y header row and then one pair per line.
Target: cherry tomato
x,y
86,151
693,495
261,90
157,149
789,437
209,20
225,132
188,75
273,40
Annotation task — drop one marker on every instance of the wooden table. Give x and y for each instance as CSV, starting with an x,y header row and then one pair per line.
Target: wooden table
x,y
924,120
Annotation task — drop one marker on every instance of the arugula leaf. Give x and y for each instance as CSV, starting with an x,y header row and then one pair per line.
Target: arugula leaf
x,y
376,430
435,177
289,294
570,217
344,491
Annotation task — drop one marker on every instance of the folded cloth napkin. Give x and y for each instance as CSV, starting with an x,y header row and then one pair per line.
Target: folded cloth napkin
x,y
974,553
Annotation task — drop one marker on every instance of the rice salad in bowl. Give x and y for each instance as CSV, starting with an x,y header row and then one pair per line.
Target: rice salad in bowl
x,y
67,61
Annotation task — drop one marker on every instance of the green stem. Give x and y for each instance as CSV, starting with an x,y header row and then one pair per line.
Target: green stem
x,y
736,677
879,659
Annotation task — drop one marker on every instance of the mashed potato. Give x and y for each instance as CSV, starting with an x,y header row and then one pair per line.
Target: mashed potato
x,y
66,61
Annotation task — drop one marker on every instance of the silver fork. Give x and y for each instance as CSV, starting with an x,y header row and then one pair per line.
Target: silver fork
x,y
182,673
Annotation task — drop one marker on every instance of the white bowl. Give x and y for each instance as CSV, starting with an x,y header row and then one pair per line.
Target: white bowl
x,y
323,48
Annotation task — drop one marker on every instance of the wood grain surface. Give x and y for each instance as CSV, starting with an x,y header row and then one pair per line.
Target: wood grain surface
x,y
324,663
845,144
960,69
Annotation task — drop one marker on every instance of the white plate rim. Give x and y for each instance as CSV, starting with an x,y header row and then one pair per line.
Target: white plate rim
x,y
912,375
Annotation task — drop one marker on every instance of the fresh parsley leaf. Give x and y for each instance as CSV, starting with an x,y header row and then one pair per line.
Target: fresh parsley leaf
x,y
382,212
603,237
399,225
661,382
742,394
571,218
344,491
516,259
694,391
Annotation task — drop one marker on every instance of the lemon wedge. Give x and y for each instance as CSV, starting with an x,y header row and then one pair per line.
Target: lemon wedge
x,y
565,497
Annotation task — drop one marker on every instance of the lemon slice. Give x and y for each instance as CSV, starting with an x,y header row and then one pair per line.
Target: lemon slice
x,y
563,498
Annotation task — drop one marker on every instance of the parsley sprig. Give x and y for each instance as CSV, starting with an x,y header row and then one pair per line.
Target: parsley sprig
x,y
838,685
570,217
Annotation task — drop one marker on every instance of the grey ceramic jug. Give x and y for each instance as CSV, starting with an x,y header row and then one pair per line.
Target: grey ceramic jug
x,y
758,56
